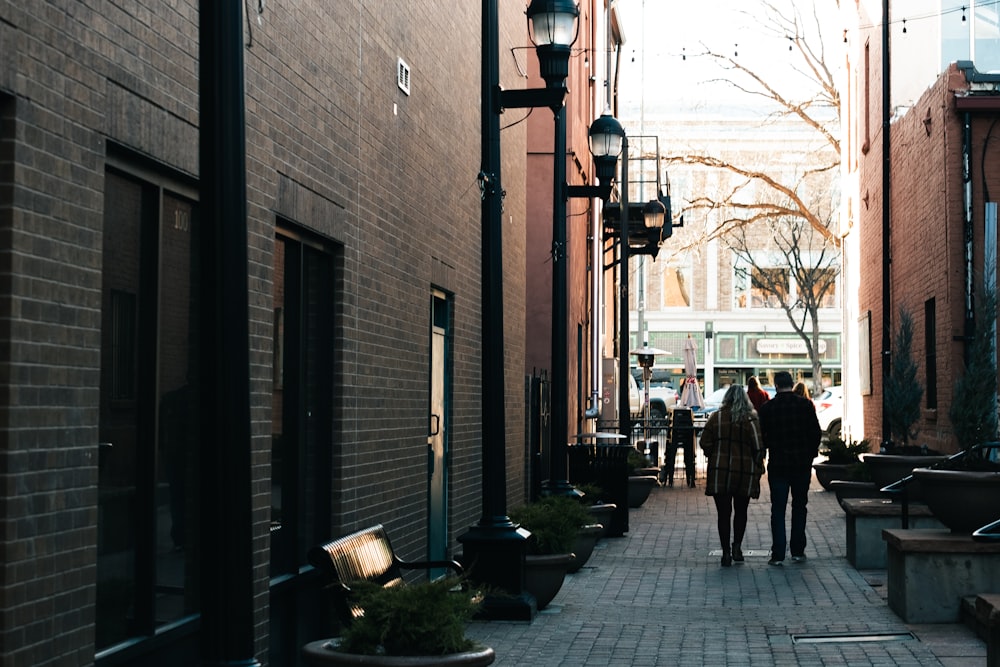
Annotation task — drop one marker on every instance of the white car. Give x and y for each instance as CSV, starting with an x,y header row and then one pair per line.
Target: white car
x,y
830,410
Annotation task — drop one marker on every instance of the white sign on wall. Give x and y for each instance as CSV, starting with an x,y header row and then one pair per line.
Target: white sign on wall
x,y
786,346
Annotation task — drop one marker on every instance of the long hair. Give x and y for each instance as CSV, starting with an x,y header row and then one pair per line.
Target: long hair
x,y
738,401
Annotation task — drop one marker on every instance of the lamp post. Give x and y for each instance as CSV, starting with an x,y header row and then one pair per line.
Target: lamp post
x,y
605,138
494,548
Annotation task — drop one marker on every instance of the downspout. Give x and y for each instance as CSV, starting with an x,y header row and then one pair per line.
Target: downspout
x,y
970,317
596,275
596,251
886,226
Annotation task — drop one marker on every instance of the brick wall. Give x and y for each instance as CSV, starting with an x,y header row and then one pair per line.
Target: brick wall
x,y
334,147
927,241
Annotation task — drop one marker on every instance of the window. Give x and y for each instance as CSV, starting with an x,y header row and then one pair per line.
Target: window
x,y
147,543
930,346
672,287
773,286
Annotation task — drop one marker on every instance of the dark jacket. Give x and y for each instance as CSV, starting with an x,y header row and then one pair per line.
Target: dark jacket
x,y
791,433
735,455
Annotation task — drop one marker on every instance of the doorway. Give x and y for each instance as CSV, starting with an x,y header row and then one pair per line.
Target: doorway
x,y
437,434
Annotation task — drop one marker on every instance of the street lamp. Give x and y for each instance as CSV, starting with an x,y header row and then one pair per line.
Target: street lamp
x,y
553,26
494,548
606,138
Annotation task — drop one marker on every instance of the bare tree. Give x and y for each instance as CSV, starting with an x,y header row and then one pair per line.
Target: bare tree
x,y
759,206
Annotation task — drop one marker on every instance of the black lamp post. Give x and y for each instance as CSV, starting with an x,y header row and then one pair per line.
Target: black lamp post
x,y
606,137
494,548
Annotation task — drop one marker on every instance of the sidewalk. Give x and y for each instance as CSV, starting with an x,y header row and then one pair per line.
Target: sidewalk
x,y
658,596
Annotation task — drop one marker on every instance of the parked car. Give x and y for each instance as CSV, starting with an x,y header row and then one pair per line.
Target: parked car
x,y
714,401
662,394
830,410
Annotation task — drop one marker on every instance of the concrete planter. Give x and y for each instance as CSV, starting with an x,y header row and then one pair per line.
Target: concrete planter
x,y
829,472
639,488
544,575
963,500
586,540
324,653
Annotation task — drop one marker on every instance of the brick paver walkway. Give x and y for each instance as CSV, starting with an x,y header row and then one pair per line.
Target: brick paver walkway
x,y
658,596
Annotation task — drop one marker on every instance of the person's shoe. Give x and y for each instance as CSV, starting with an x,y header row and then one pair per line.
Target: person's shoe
x,y
776,561
737,554
727,560
801,558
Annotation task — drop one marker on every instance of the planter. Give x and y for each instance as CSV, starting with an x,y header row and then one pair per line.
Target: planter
x,y
544,575
586,540
639,487
324,652
602,514
888,468
829,472
963,500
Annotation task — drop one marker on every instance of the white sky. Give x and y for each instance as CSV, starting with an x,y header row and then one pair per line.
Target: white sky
x,y
657,80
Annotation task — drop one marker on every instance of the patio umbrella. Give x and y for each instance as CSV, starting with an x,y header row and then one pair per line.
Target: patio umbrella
x,y
691,392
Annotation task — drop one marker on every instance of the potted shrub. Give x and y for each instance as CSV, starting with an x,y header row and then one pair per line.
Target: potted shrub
x,y
416,624
903,393
640,483
554,523
963,492
842,460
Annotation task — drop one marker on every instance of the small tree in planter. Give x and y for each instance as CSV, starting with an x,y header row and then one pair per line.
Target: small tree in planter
x,y
964,492
424,621
554,523
902,390
973,411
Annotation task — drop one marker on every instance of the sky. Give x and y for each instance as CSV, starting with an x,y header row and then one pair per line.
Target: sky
x,y
662,71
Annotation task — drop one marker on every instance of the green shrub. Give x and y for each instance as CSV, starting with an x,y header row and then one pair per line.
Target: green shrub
x,y
838,450
425,618
554,522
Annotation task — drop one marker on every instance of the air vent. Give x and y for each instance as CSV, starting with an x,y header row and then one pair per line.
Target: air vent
x,y
403,76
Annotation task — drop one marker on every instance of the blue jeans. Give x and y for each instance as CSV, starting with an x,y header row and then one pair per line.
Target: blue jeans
x,y
798,483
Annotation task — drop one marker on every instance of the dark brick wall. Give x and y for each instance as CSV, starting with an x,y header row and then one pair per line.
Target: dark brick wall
x,y
334,147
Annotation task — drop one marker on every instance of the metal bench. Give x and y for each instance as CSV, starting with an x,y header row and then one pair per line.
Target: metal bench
x,y
366,555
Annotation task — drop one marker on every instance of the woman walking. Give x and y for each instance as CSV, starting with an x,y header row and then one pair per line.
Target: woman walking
x,y
731,441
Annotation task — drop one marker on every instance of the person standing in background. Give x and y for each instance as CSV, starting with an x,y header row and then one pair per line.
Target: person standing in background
x,y
758,396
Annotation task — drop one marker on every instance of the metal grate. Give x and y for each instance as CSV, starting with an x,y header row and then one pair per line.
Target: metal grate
x,y
851,637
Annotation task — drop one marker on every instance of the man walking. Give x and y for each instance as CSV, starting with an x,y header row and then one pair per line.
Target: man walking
x,y
791,436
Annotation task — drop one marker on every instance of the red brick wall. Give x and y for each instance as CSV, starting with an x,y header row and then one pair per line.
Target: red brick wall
x,y
927,240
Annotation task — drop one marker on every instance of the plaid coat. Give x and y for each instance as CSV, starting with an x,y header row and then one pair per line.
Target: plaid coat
x,y
735,452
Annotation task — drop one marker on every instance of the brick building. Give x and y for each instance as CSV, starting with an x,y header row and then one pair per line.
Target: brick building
x,y
926,253
364,246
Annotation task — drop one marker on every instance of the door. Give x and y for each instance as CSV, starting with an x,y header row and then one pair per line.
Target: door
x,y
437,437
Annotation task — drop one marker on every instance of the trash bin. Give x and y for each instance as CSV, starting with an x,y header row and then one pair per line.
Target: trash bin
x,y
605,465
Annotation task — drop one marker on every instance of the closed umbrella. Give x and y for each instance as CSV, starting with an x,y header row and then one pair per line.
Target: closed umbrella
x,y
691,392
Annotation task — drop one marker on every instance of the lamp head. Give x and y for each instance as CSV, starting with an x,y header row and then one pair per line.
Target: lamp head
x,y
652,214
552,27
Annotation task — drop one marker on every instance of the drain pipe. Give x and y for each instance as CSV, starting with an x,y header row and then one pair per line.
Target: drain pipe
x,y
596,273
886,226
970,317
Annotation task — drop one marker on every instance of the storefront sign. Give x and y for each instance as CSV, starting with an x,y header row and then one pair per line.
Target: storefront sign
x,y
786,346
